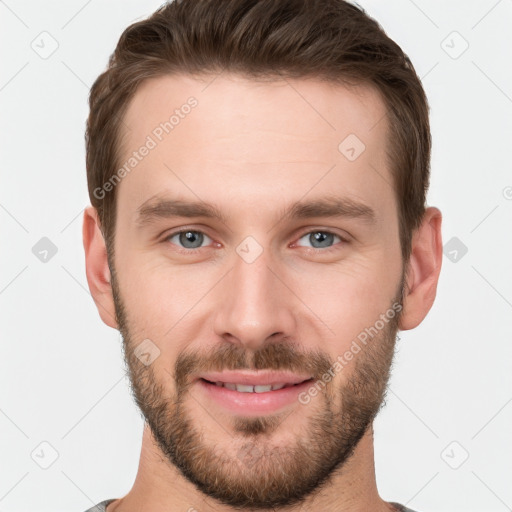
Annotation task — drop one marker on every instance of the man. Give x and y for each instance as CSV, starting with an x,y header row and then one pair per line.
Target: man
x,y
258,234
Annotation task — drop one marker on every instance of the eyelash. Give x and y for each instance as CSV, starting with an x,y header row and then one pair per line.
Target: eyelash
x,y
310,249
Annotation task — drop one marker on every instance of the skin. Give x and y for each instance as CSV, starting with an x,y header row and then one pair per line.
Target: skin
x,y
253,148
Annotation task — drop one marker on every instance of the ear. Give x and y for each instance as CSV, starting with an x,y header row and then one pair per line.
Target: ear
x,y
424,268
96,266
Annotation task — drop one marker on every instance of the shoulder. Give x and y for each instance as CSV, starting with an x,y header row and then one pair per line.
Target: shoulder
x,y
401,508
100,507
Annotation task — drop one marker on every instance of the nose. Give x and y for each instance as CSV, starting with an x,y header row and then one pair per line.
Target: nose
x,y
255,305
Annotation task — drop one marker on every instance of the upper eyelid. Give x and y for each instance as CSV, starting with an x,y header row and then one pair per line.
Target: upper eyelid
x,y
322,231
185,230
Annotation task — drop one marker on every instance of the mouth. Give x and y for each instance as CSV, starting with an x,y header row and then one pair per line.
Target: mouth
x,y
257,388
252,394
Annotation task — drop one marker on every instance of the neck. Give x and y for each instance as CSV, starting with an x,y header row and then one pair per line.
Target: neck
x,y
160,487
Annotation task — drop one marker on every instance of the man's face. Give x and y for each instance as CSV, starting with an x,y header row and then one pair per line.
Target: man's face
x,y
258,297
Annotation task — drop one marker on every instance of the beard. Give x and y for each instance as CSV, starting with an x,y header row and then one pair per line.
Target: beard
x,y
248,470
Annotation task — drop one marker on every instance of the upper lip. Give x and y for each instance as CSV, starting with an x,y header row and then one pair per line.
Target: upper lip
x,y
261,378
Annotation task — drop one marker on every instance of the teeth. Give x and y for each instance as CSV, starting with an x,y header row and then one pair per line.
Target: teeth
x,y
245,388
262,389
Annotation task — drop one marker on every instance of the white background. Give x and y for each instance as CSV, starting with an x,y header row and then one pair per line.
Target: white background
x,y
61,371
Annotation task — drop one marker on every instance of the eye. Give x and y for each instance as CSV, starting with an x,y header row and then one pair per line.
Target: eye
x,y
188,238
321,239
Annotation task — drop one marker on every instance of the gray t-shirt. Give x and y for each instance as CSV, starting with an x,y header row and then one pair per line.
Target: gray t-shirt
x,y
100,507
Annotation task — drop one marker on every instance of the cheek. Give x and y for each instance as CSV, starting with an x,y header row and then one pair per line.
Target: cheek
x,y
349,298
155,289
163,303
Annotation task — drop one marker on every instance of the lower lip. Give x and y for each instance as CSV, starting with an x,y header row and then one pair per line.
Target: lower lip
x,y
253,404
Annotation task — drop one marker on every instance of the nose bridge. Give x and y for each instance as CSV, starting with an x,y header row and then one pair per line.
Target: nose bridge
x,y
255,303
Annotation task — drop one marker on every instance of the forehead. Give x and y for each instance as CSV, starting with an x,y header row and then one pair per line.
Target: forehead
x,y
226,137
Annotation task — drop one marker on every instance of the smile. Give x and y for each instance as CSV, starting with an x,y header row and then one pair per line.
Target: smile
x,y
246,388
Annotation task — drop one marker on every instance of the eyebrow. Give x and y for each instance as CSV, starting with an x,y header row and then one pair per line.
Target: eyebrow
x,y
156,208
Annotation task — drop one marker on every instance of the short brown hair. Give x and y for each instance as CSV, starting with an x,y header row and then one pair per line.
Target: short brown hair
x,y
331,40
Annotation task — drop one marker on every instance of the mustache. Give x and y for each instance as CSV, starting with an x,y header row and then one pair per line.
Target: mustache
x,y
282,356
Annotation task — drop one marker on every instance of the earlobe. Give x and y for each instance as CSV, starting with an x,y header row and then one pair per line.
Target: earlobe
x,y
424,269
97,269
